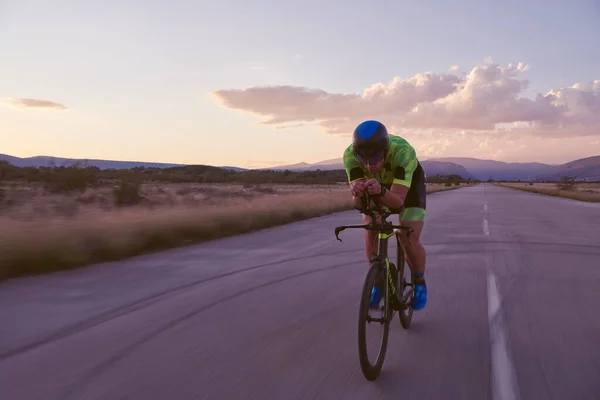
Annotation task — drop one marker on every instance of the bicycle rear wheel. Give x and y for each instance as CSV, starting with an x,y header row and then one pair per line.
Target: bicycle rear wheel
x,y
371,370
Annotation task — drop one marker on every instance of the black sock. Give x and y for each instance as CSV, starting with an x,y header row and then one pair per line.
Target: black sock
x,y
418,277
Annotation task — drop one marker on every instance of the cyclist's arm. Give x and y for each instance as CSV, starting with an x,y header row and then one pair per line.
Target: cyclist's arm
x,y
354,173
405,164
357,200
394,198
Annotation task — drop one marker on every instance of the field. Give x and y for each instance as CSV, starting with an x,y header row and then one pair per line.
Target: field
x,y
44,231
582,191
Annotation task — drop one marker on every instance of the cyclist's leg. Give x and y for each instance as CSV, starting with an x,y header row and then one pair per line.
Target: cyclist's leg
x,y
371,240
415,253
414,216
371,249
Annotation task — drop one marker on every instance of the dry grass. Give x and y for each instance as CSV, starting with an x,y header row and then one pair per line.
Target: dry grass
x,y
43,232
582,191
438,187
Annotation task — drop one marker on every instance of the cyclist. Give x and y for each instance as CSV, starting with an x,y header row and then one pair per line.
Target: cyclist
x,y
386,167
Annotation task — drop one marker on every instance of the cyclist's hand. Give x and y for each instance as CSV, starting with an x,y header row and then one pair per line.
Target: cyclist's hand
x,y
357,188
373,186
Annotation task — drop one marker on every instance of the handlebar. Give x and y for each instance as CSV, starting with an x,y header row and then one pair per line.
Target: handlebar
x,y
372,227
372,208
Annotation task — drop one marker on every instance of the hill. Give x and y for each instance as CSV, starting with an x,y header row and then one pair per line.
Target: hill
x,y
586,169
468,168
481,169
474,168
431,167
46,161
499,170
445,168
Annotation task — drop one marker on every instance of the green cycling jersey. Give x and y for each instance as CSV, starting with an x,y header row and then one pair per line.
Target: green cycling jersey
x,y
398,168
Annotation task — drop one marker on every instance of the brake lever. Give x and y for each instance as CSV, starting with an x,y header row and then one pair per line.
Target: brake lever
x,y
337,232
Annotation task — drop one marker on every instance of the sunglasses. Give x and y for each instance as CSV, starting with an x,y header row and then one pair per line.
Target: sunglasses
x,y
371,159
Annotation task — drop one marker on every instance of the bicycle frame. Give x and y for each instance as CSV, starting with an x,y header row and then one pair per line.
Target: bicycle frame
x,y
385,231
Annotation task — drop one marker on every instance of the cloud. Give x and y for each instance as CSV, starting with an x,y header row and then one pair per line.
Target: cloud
x,y
511,148
255,65
34,103
489,100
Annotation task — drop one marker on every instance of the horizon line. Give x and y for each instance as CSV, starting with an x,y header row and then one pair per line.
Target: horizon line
x,y
279,165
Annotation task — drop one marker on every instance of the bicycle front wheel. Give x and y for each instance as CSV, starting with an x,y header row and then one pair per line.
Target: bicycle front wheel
x,y
373,318
405,287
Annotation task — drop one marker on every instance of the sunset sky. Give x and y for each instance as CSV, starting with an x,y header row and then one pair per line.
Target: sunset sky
x,y
262,83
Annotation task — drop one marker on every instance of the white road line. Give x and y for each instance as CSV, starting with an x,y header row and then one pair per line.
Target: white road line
x,y
486,229
504,383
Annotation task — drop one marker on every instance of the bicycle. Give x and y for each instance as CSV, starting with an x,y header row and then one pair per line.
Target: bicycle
x,y
381,267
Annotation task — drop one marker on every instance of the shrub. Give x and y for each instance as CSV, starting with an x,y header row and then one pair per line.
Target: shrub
x,y
566,183
127,194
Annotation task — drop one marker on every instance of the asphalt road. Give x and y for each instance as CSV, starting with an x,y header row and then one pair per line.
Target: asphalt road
x,y
513,313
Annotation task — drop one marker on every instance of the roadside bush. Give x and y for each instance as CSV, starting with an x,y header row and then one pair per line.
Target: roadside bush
x,y
566,183
127,194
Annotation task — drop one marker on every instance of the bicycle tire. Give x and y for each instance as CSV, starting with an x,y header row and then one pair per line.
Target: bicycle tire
x,y
372,371
405,316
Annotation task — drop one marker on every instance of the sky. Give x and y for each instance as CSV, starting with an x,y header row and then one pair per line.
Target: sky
x,y
264,83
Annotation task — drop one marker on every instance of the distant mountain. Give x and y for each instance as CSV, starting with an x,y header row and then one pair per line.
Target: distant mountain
x,y
498,170
291,167
331,161
16,161
431,167
46,161
302,166
583,169
445,168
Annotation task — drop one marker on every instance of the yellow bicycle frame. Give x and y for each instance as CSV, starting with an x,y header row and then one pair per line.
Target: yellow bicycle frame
x,y
384,236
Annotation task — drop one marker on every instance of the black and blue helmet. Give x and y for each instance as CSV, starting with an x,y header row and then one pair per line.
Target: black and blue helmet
x,y
370,141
